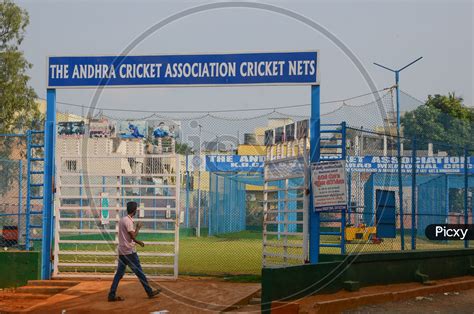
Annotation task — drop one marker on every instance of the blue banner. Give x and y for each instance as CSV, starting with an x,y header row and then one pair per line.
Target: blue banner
x,y
231,163
363,164
270,68
424,165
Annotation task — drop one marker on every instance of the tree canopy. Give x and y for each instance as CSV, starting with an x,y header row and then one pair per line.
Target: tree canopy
x,y
19,110
443,120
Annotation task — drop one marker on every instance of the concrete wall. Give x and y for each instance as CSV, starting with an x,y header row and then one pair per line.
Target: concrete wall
x,y
19,267
337,272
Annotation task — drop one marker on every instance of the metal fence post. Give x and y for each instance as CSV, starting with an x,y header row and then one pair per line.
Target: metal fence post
x,y
400,195
345,210
20,197
349,196
466,189
413,194
28,191
315,156
187,190
48,204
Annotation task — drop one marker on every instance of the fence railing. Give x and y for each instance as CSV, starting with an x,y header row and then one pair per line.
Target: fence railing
x,y
13,191
437,181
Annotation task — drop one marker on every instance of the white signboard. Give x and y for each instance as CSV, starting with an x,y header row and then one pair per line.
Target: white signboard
x,y
329,185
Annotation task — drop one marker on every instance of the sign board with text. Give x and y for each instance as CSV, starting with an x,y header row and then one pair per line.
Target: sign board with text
x,y
232,163
261,68
328,180
424,164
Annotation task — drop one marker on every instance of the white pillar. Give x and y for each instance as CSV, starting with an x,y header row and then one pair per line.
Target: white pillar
x,y
430,149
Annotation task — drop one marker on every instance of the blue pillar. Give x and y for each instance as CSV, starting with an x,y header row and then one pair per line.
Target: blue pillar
x,y
413,194
48,204
20,196
228,210
224,207
446,203
28,191
243,206
349,196
212,201
215,212
315,150
466,189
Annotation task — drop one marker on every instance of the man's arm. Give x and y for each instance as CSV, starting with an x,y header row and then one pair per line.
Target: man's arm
x,y
134,233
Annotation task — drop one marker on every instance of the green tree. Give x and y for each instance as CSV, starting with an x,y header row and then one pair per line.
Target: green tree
x,y
19,110
183,148
443,120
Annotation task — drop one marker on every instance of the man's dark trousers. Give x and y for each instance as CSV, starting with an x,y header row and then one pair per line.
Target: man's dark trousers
x,y
133,262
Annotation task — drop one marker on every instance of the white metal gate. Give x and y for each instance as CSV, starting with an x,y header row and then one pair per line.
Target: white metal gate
x,y
91,196
285,222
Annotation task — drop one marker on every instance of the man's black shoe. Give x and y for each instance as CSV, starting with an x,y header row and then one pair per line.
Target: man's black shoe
x,y
154,293
115,299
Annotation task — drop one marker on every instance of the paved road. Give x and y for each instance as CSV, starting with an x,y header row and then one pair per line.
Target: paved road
x,y
451,302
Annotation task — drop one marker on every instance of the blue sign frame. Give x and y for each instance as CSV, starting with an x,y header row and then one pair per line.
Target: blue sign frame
x,y
258,68
58,76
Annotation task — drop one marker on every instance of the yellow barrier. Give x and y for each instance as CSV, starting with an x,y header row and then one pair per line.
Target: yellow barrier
x,y
362,233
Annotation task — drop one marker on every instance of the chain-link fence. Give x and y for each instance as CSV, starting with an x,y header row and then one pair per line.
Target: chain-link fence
x,y
221,212
433,183
13,190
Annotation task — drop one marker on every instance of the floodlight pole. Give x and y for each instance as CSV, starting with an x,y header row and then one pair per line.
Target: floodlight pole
x,y
399,157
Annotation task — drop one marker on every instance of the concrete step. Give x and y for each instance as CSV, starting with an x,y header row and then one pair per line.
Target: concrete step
x,y
52,283
255,301
246,309
41,290
247,304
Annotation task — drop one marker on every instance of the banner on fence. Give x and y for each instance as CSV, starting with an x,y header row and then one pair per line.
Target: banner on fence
x,y
135,129
71,129
383,164
448,164
163,129
233,163
329,185
101,128
283,169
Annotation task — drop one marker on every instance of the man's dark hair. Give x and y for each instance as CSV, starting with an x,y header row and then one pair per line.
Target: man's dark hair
x,y
131,207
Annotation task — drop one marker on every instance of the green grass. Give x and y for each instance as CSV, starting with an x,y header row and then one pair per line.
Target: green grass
x,y
237,256
220,255
233,254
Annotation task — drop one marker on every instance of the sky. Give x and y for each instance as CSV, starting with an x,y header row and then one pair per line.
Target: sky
x,y
392,33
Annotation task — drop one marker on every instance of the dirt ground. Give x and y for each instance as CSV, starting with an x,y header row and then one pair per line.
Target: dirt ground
x,y
181,296
206,295
420,299
449,302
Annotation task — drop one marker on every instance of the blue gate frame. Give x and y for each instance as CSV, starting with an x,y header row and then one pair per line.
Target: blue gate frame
x,y
50,127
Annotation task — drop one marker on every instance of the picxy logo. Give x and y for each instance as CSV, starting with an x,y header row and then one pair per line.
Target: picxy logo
x,y
450,232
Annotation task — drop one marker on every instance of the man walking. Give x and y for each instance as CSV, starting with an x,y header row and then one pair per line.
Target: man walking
x,y
127,255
